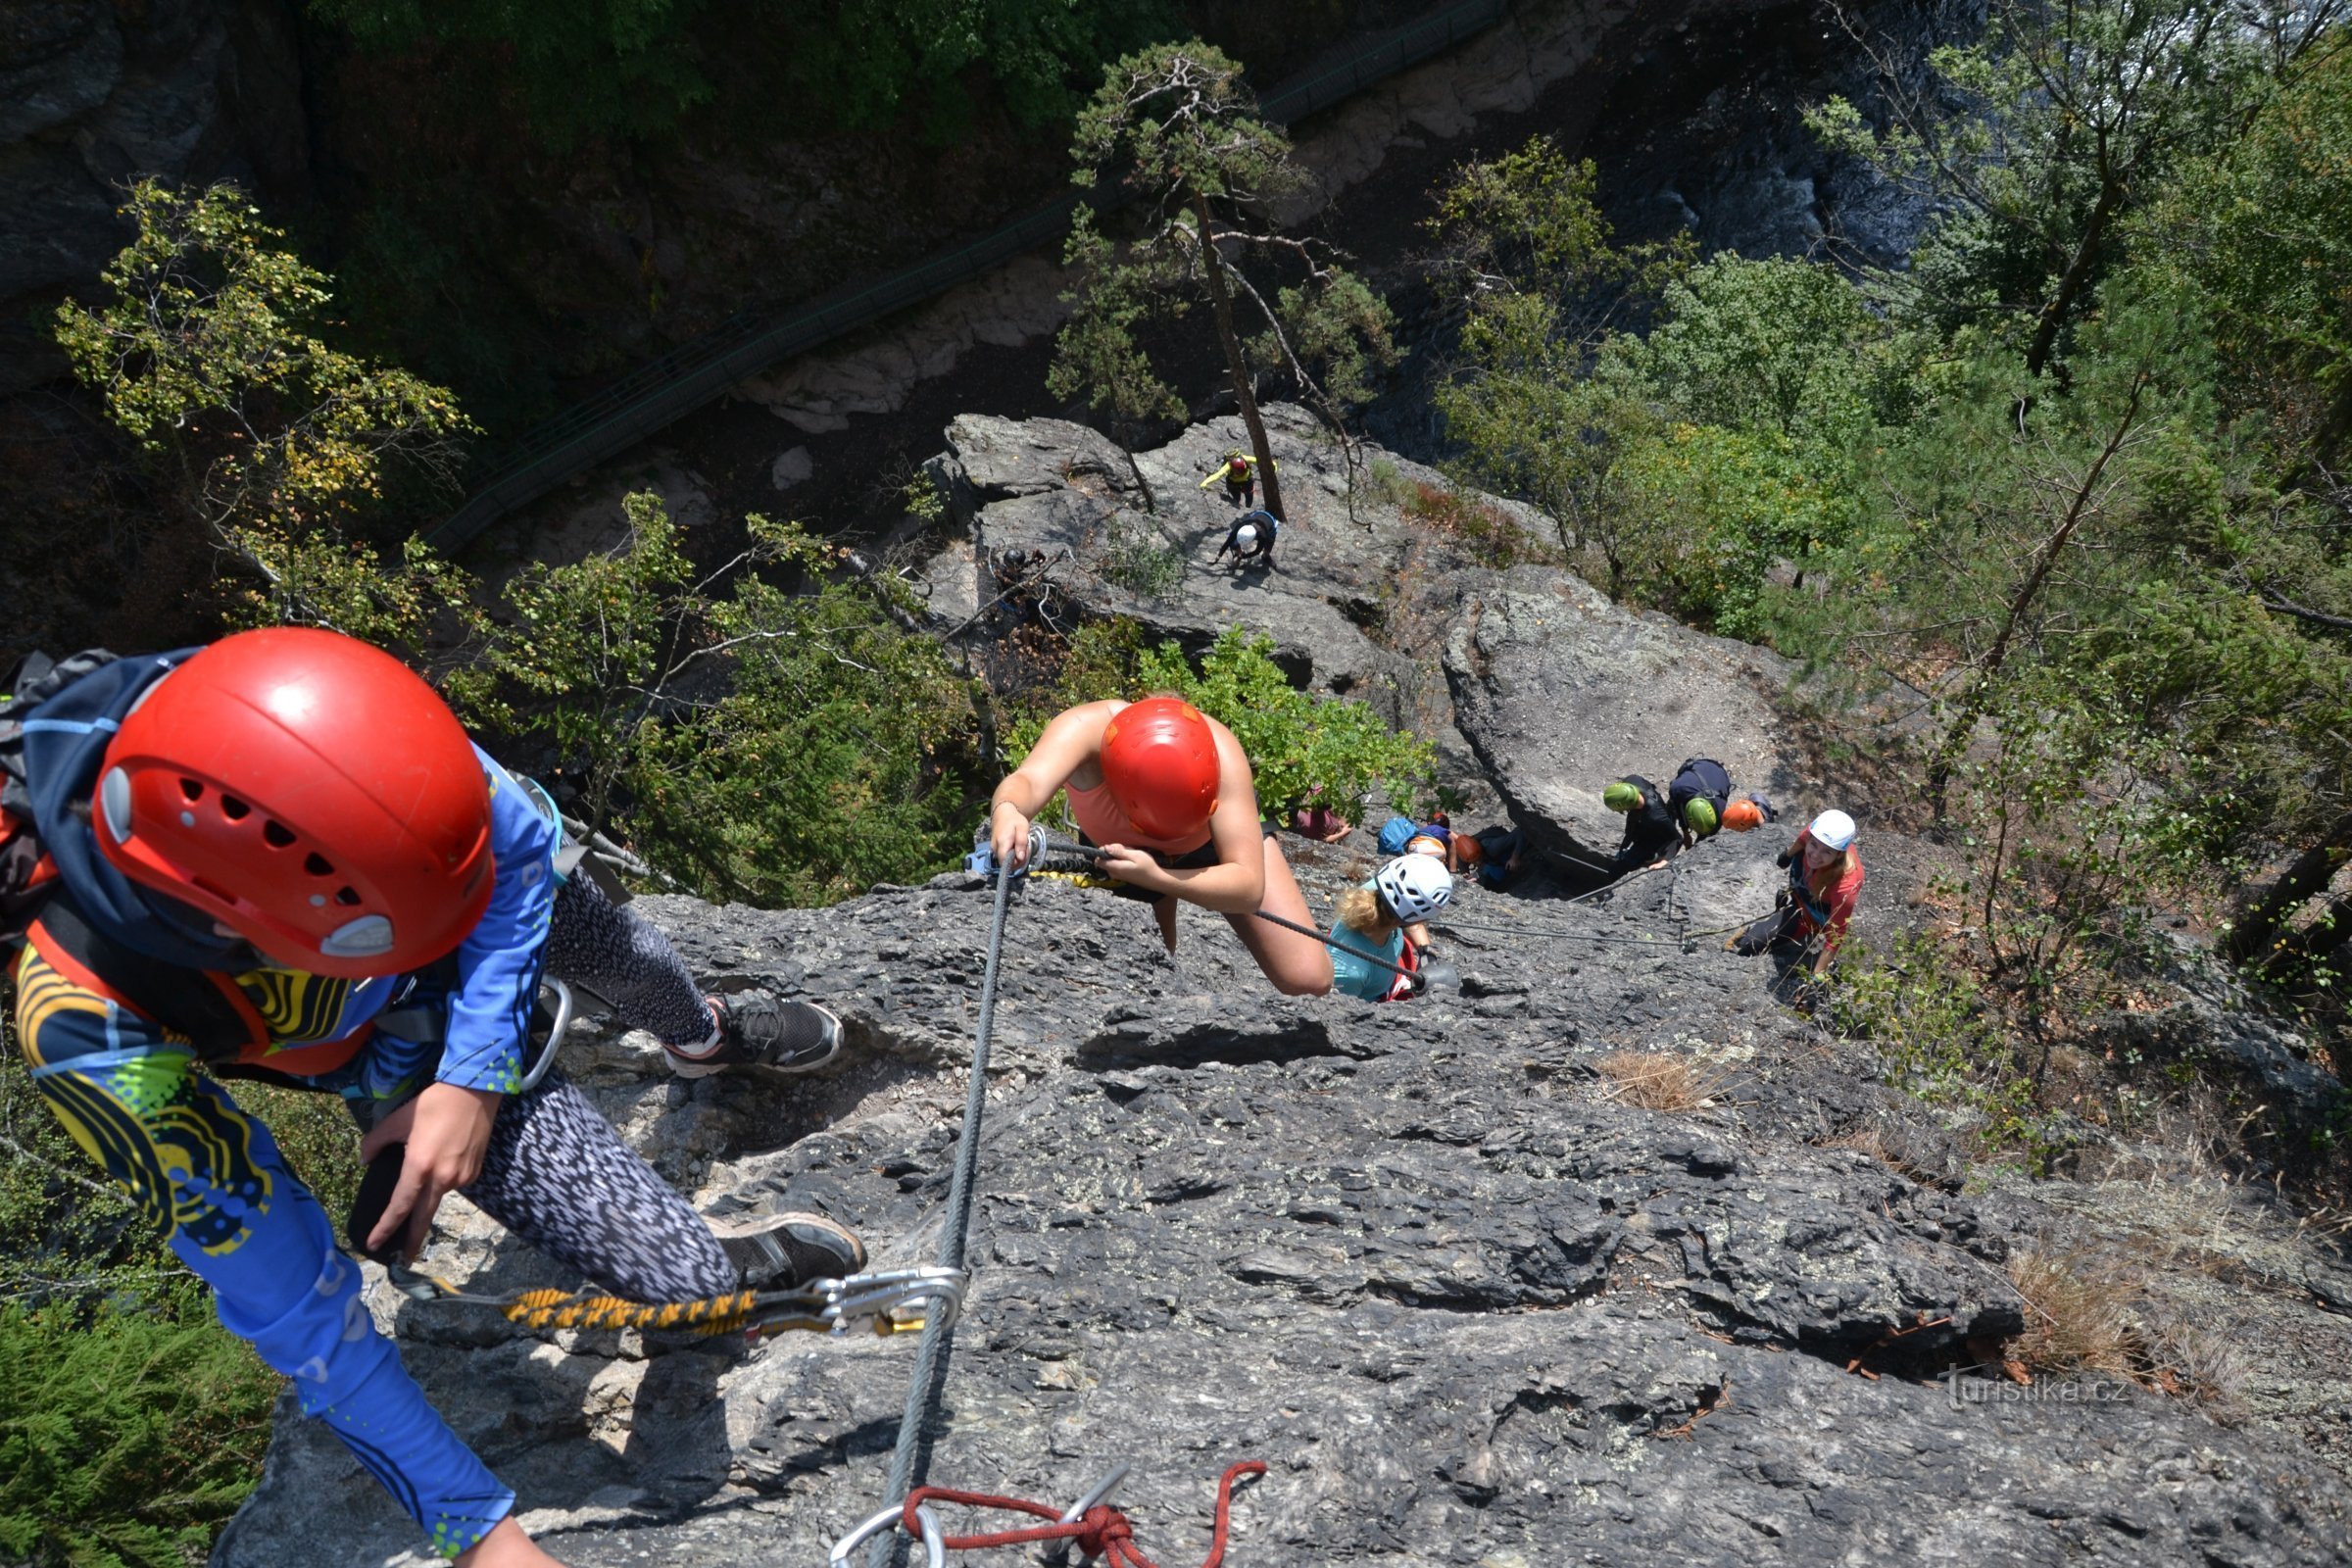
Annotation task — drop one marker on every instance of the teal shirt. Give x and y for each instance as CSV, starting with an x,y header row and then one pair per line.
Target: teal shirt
x,y
1352,975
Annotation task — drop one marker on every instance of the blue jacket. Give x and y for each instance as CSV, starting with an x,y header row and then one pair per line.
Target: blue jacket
x,y
209,1177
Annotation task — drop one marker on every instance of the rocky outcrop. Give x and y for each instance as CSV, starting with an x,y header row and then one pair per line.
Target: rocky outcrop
x,y
1560,691
93,95
1470,1301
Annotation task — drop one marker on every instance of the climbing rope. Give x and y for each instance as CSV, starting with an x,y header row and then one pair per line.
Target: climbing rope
x,y
931,1354
898,1301
1098,1530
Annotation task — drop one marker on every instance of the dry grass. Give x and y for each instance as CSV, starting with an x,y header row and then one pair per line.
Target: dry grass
x,y
2079,1315
1659,1080
1866,1139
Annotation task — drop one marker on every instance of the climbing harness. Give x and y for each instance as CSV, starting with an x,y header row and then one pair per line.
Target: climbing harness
x,y
1098,1530
896,1301
930,1361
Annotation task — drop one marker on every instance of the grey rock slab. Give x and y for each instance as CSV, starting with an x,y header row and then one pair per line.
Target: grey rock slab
x,y
1467,1304
1559,690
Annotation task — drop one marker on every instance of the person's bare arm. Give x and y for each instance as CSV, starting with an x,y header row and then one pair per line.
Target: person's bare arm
x,y
1237,883
1070,742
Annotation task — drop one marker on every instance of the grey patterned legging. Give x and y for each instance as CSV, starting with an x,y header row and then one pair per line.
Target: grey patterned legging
x,y
557,1174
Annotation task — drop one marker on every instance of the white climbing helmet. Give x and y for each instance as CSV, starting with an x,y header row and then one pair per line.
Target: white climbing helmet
x,y
1833,830
1415,887
1244,537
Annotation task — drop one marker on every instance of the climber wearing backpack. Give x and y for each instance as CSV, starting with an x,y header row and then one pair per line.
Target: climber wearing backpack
x,y
1250,538
279,857
1375,916
1238,472
1651,831
1825,882
1165,792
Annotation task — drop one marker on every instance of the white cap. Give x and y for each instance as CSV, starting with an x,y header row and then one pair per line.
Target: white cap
x,y
1833,830
1415,887
1246,536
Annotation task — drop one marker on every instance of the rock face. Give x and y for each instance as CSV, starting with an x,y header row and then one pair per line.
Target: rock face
x,y
93,95
1560,691
1470,1301
1602,1254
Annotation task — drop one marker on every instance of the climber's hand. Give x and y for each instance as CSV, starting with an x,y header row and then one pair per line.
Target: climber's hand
x,y
505,1546
448,1133
1009,836
1134,866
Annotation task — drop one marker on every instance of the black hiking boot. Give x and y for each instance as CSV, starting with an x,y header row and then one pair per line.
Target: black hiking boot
x,y
758,1029
783,1252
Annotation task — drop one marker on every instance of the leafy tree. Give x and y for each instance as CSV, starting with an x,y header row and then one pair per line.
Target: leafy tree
x,y
2044,135
285,448
784,748
1526,255
1174,126
2262,228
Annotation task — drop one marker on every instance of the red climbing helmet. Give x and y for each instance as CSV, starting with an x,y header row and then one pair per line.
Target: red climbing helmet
x,y
309,792
1159,757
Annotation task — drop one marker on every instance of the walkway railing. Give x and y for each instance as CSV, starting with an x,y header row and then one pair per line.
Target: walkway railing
x,y
662,391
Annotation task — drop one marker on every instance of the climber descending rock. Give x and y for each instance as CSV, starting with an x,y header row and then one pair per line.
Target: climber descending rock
x,y
221,883
1250,540
1167,793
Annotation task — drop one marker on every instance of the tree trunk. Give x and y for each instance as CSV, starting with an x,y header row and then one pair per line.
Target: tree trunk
x,y
2254,933
2076,277
1221,297
1988,669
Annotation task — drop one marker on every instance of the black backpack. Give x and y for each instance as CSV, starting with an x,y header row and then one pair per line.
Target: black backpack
x,y
26,875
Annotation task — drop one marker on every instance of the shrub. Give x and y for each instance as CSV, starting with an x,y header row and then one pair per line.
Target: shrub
x,y
1137,557
128,1433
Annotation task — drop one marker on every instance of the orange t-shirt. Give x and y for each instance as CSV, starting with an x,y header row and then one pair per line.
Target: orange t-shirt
x,y
1104,821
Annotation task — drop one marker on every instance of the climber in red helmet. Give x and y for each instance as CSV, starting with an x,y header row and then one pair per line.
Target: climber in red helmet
x,y
1166,791
279,857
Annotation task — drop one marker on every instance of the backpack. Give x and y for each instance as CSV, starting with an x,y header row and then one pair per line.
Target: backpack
x,y
1396,833
27,874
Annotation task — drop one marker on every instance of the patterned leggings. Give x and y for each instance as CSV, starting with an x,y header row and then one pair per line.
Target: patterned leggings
x,y
559,1176
618,953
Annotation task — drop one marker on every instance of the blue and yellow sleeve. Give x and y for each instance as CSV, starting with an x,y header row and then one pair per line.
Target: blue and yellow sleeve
x,y
213,1182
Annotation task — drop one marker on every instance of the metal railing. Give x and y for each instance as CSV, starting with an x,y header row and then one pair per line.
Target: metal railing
x,y
662,391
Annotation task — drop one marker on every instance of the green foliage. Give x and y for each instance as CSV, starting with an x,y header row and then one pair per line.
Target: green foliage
x,y
1778,348
1301,747
2262,230
782,748
287,448
1523,245
2044,136
129,1432
1137,557
1942,1037
1715,509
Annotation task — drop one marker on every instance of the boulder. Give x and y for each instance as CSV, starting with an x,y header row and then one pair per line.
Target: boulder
x,y
1558,691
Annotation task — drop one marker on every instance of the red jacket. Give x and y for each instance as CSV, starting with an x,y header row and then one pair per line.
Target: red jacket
x,y
1823,899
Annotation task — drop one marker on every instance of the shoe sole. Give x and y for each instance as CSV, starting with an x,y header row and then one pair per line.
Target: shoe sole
x,y
688,1068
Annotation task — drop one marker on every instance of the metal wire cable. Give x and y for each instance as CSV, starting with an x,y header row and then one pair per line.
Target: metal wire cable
x,y
931,1354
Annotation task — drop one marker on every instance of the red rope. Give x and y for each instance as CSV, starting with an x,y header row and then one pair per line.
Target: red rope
x,y
1103,1532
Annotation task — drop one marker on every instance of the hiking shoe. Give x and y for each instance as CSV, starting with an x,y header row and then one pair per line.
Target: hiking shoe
x,y
783,1252
762,1030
